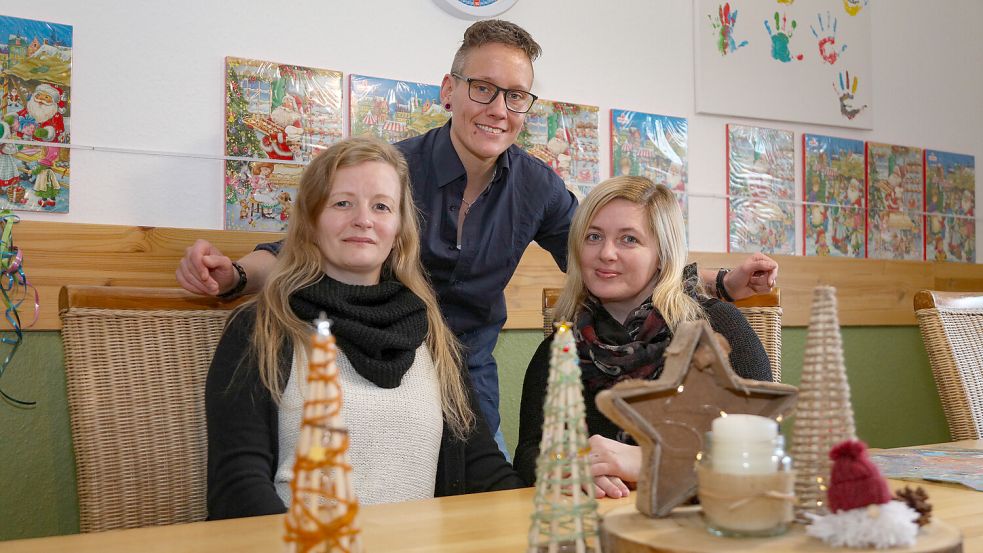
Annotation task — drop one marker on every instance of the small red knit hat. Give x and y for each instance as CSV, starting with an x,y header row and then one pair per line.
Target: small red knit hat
x,y
854,480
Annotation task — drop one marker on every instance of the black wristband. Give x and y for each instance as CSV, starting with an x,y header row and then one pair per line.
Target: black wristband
x,y
241,285
721,289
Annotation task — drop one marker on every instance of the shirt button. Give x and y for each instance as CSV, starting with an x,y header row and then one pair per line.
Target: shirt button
x,y
454,207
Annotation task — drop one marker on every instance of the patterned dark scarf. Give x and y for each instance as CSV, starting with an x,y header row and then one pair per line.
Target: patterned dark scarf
x,y
378,327
611,352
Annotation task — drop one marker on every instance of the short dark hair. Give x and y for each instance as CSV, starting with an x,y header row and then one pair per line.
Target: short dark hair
x,y
495,31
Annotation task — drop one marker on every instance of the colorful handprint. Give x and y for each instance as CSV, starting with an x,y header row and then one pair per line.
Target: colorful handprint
x,y
828,49
853,7
724,28
846,93
780,38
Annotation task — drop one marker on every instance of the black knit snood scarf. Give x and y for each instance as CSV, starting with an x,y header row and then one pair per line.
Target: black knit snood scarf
x,y
379,327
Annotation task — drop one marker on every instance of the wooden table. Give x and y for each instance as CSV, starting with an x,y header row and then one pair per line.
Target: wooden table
x,y
492,522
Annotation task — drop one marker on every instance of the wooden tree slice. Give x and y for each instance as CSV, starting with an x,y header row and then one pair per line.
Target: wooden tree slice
x,y
625,530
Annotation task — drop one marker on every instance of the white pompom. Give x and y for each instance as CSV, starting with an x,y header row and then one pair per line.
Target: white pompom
x,y
889,525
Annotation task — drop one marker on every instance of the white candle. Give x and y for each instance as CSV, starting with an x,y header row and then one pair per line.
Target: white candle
x,y
744,444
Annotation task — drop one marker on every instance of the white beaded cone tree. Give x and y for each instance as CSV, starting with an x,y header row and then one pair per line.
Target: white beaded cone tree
x,y
824,415
564,514
322,511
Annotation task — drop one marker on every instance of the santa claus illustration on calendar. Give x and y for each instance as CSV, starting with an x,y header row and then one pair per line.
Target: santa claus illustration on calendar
x,y
282,143
42,119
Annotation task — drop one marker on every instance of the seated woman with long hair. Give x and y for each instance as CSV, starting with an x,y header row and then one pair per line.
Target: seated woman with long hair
x,y
352,252
627,289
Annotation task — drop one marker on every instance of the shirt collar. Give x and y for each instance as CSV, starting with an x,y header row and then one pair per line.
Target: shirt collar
x,y
447,164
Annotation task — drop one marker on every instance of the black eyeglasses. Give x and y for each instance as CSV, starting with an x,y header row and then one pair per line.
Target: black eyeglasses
x,y
484,92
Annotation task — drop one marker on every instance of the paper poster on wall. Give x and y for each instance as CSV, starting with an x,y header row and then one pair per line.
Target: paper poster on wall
x,y
895,202
807,61
278,112
35,106
761,190
565,137
834,215
394,110
652,146
950,200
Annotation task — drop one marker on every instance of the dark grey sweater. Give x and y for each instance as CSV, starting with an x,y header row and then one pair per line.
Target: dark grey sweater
x,y
747,357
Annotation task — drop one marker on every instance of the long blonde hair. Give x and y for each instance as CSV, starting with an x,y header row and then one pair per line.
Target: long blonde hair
x,y
665,221
299,265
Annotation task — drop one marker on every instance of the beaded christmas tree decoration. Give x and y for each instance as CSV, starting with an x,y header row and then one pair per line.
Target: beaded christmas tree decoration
x,y
565,512
323,507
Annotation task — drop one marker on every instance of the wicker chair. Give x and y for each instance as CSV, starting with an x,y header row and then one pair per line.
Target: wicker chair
x,y
763,312
952,329
135,364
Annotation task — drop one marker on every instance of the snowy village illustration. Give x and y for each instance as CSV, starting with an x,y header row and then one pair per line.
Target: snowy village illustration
x,y
833,189
394,110
35,87
565,137
950,188
281,113
651,146
761,190
895,202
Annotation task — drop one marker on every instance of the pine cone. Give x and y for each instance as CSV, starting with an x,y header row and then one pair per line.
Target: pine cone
x,y
917,499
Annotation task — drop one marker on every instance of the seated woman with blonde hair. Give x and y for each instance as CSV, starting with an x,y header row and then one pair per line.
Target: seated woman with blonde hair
x,y
627,289
352,252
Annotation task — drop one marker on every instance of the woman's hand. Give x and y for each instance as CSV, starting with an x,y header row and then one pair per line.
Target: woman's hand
x,y
204,270
756,275
615,466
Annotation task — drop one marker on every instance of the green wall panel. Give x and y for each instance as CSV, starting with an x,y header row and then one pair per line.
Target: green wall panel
x,y
894,397
37,466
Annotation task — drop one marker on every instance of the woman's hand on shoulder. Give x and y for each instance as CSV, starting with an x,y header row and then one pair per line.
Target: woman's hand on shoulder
x,y
615,466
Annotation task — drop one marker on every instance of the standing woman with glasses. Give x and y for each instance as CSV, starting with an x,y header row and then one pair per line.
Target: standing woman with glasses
x,y
482,200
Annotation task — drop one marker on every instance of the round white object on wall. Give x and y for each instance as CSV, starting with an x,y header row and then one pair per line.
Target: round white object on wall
x,y
476,9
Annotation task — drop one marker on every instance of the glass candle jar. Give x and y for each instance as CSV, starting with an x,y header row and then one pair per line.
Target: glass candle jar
x,y
746,486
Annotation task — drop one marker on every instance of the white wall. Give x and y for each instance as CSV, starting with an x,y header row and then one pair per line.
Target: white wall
x,y
149,75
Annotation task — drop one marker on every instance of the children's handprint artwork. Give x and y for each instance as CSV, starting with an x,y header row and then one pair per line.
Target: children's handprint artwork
x,y
793,49
723,28
781,37
847,94
853,7
829,51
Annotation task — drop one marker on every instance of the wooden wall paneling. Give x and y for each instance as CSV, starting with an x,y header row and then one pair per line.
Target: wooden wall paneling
x,y
56,254
871,292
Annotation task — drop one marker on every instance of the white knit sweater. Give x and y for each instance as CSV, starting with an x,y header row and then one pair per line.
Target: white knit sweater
x,y
394,434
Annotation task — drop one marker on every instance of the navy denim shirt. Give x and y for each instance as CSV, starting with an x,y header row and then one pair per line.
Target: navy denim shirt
x,y
525,202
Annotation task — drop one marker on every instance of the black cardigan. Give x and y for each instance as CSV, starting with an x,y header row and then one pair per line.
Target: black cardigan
x,y
243,437
747,357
